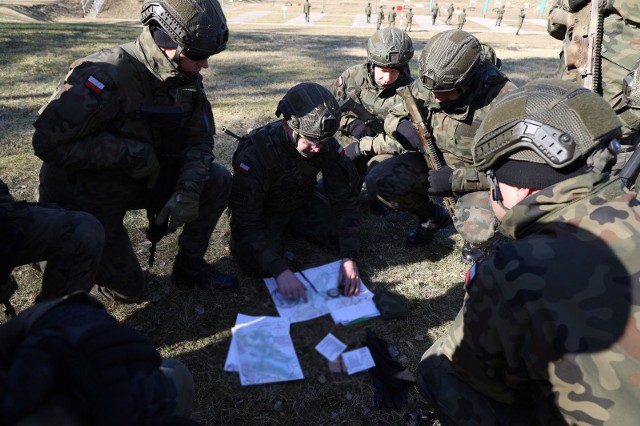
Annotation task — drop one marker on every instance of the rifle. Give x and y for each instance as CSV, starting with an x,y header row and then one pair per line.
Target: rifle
x,y
370,120
631,169
230,133
7,289
431,154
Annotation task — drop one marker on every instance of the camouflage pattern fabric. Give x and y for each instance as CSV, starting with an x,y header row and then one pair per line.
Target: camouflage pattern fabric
x,y
71,243
434,13
392,18
549,323
114,122
274,187
462,18
380,18
475,221
409,17
367,12
402,182
500,13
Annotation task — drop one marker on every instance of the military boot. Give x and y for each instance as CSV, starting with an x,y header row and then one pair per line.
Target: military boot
x,y
424,232
198,273
471,254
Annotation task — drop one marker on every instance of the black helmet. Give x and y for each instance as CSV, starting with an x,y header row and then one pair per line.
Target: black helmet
x,y
198,26
390,48
310,110
552,122
448,60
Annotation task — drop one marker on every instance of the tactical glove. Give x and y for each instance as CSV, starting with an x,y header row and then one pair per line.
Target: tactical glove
x,y
181,208
440,181
408,136
143,163
353,150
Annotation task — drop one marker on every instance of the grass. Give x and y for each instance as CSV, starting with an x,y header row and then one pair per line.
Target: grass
x,y
244,84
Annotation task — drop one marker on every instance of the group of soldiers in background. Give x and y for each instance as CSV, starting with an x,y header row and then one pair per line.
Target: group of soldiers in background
x,y
131,128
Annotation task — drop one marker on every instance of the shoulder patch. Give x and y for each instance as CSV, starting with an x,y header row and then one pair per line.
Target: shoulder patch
x,y
340,81
243,168
471,273
94,84
340,151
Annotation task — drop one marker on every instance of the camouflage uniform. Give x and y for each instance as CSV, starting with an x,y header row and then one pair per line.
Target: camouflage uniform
x,y
274,187
462,18
434,13
402,182
450,11
367,12
70,242
619,55
409,17
307,10
500,13
543,324
380,18
95,137
392,17
521,17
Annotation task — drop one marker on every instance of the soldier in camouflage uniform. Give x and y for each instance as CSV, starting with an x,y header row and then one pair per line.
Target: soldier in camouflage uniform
x,y
434,13
71,243
548,332
131,128
454,92
409,17
373,85
275,187
67,361
621,29
392,17
450,11
500,12
367,12
307,10
380,17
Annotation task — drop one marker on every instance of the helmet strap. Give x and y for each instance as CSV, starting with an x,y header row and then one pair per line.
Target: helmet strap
x,y
176,55
496,195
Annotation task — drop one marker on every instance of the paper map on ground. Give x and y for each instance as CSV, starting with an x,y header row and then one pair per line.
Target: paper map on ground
x,y
262,351
343,309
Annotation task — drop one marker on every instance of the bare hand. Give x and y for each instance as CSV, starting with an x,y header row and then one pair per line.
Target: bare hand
x,y
290,286
349,277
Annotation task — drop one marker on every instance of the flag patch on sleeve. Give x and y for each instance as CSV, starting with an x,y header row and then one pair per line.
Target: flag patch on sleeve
x,y
94,84
340,81
243,168
471,273
340,151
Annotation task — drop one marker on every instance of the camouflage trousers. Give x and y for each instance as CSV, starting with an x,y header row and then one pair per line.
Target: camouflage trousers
x,y
315,222
69,241
119,269
457,403
402,183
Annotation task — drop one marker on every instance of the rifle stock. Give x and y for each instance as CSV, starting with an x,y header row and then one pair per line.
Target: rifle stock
x,y
431,154
370,120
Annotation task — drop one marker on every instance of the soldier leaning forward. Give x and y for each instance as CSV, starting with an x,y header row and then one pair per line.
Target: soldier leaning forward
x,y
275,187
131,128
373,85
454,92
70,241
548,333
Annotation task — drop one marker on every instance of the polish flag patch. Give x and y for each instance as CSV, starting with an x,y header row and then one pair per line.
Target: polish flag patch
x,y
94,84
243,168
471,274
340,151
340,81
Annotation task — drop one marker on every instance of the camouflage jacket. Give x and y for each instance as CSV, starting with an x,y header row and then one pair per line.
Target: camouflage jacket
x,y
367,10
553,316
271,177
112,109
358,83
453,131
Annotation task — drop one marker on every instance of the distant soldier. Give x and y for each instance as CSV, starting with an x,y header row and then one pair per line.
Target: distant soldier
x,y
275,187
520,20
392,17
367,12
462,18
548,333
409,17
450,11
307,10
434,13
380,17
500,12
70,241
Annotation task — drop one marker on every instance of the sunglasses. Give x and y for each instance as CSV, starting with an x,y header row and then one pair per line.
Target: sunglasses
x,y
194,56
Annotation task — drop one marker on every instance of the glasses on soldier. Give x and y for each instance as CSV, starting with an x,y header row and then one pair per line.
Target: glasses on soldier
x,y
194,56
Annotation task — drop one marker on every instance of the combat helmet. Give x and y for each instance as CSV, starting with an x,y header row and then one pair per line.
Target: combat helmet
x,y
390,48
197,26
310,110
449,60
553,123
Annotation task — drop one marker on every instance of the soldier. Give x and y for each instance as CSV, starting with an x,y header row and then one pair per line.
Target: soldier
x,y
275,188
307,10
450,11
454,91
520,20
462,18
548,332
69,362
618,56
434,13
409,17
500,12
70,241
131,128
392,17
380,18
367,12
